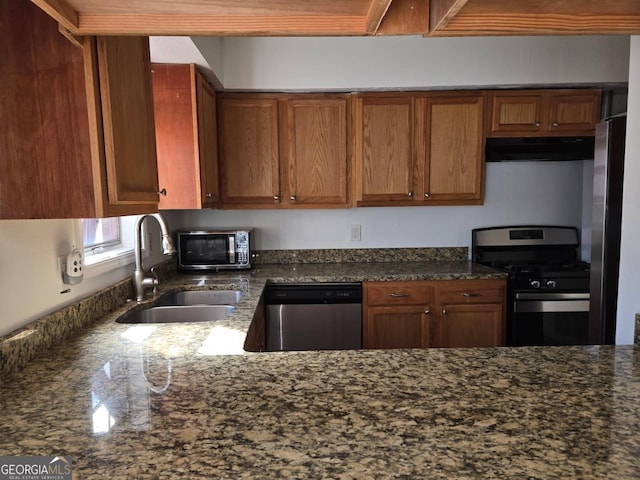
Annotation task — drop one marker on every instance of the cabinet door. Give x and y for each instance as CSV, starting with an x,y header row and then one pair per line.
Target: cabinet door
x,y
127,114
71,118
396,327
249,156
207,142
574,114
516,113
385,152
315,141
471,325
455,149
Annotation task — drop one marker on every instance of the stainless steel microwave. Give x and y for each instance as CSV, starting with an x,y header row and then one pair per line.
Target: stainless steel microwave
x,y
200,250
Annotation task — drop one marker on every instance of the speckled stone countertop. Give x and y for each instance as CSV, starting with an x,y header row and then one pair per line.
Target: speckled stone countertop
x,y
184,401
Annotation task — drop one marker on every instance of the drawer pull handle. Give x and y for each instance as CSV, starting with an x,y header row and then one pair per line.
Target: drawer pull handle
x,y
399,295
467,294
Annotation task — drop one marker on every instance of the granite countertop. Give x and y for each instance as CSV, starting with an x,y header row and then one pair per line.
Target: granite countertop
x,y
184,401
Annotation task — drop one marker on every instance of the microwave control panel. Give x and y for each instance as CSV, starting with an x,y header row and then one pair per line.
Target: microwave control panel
x,y
242,248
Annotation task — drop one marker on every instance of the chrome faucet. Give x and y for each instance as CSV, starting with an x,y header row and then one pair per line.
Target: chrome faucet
x,y
140,281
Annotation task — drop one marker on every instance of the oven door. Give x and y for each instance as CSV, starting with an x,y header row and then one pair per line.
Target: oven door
x,y
549,319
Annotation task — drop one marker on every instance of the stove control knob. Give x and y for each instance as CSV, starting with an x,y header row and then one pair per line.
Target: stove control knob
x,y
535,283
551,283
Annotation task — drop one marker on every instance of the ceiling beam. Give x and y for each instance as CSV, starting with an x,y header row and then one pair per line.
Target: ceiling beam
x,y
406,17
443,11
60,11
200,25
376,12
541,24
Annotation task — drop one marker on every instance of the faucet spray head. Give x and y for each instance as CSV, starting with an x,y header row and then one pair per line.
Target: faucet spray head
x,y
167,245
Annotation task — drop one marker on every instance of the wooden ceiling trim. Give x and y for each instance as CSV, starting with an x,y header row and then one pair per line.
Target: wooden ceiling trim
x,y
60,11
377,10
406,17
198,25
539,24
443,11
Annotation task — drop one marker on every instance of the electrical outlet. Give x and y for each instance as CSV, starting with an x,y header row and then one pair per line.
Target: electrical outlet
x,y
356,233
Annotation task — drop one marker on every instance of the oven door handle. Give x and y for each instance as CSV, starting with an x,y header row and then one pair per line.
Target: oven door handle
x,y
551,296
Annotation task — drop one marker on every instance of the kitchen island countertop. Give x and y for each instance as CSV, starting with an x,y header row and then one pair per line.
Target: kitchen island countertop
x,y
185,401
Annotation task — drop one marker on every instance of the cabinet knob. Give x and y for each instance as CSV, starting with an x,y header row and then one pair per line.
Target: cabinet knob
x,y
427,311
555,124
537,124
427,195
293,197
209,195
276,197
444,311
410,194
162,192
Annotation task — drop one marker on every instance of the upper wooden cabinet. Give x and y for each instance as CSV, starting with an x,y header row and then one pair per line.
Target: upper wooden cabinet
x,y
454,149
186,137
419,149
543,113
77,137
314,140
281,151
249,152
385,150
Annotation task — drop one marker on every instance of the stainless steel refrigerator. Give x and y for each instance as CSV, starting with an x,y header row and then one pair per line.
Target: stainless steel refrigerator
x,y
608,170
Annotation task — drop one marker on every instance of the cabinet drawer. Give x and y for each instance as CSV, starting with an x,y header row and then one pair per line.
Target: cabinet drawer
x,y
397,293
471,294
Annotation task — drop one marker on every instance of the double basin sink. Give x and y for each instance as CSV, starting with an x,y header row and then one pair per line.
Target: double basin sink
x,y
186,307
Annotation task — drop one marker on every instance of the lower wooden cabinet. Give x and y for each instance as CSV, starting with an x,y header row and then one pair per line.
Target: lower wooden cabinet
x,y
443,313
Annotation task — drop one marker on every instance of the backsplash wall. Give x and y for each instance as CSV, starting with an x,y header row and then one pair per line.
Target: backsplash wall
x,y
515,193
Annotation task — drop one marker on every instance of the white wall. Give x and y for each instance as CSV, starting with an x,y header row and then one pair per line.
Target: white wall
x,y
516,193
629,287
414,62
206,53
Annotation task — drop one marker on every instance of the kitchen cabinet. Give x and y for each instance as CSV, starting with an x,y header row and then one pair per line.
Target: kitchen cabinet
x,y
78,136
283,151
249,150
541,113
186,137
315,153
469,313
454,163
385,151
444,313
419,148
396,315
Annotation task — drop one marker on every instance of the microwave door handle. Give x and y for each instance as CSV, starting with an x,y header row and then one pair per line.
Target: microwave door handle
x,y
232,249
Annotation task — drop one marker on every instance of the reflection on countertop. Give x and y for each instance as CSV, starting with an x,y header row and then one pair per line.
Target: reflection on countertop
x,y
184,401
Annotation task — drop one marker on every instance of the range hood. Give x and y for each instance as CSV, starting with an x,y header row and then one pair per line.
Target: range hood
x,y
539,149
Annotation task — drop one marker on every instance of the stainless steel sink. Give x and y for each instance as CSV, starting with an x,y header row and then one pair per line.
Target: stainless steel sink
x,y
201,297
177,314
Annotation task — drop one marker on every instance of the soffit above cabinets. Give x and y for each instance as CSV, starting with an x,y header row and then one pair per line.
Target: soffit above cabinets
x,y
345,17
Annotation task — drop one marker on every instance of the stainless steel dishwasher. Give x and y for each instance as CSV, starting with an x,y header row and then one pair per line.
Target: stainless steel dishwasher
x,y
313,316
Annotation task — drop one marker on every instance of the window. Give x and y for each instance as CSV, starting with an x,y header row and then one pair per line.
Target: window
x,y
100,233
108,243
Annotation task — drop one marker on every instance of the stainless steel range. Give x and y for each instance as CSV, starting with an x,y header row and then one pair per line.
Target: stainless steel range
x,y
548,287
